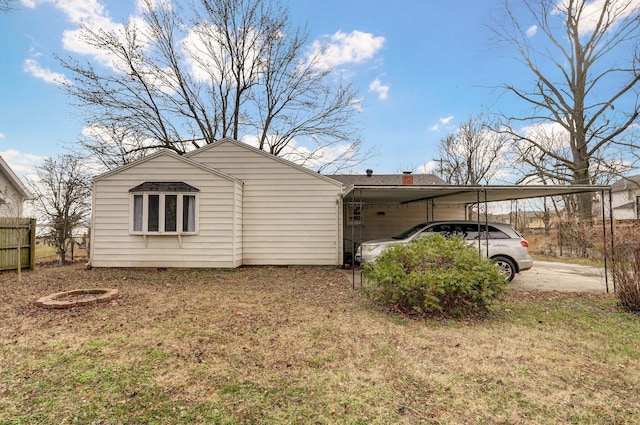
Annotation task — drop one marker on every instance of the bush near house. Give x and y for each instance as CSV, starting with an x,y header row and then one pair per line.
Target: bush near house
x,y
625,267
434,275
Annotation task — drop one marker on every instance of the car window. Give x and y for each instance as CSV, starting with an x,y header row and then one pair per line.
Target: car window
x,y
493,233
471,230
468,231
449,230
408,233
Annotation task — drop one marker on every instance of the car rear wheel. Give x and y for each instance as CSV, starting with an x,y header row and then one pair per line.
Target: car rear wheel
x,y
507,267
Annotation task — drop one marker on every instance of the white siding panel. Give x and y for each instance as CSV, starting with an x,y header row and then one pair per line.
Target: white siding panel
x,y
214,246
290,216
12,200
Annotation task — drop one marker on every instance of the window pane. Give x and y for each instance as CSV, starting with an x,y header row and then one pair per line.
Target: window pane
x,y
154,213
170,212
137,213
188,213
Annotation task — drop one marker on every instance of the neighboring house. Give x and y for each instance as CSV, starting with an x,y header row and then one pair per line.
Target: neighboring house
x,y
13,192
625,198
224,205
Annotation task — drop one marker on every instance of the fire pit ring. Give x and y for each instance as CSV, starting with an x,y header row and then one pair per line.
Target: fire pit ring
x,y
77,298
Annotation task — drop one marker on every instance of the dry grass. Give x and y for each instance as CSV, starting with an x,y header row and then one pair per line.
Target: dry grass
x,y
287,345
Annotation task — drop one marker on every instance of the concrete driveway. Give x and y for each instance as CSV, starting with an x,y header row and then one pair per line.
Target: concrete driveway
x,y
547,276
555,276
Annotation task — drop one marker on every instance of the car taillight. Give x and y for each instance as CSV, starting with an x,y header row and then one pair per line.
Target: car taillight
x,y
524,243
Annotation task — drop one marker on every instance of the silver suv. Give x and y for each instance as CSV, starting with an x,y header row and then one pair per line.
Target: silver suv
x,y
500,242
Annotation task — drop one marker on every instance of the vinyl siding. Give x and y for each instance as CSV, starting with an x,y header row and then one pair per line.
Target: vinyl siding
x,y
215,245
12,200
290,216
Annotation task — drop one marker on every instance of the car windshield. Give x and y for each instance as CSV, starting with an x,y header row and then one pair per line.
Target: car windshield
x,y
408,233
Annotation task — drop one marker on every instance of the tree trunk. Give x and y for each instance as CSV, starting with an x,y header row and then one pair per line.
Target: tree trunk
x,y
584,201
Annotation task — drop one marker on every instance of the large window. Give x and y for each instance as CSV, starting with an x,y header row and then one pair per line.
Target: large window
x,y
164,208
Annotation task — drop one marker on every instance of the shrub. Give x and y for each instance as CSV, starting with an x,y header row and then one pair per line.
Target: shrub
x,y
434,275
625,268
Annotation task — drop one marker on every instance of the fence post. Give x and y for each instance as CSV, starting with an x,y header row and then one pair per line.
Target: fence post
x,y
32,244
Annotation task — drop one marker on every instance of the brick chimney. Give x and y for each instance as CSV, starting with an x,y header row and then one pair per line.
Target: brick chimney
x,y
407,177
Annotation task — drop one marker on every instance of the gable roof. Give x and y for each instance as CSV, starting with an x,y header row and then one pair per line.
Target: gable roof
x,y
17,183
228,140
626,183
173,155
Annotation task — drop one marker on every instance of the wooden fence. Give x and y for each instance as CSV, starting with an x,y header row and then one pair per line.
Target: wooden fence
x,y
17,234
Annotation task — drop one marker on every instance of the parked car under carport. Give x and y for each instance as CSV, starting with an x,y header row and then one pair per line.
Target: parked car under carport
x,y
498,241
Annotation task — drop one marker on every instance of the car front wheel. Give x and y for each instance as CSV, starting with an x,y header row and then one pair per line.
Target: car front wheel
x,y
507,267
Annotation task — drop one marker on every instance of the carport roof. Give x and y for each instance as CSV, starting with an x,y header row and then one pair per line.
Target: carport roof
x,y
449,194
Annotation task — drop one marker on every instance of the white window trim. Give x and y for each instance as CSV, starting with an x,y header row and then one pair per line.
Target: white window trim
x,y
161,214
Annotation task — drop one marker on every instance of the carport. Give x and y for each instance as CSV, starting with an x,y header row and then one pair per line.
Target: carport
x,y
432,195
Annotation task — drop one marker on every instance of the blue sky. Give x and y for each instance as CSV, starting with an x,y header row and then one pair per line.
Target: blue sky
x,y
421,67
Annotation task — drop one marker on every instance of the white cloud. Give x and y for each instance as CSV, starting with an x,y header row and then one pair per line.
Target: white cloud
x,y
343,48
551,135
441,122
1,136
32,67
357,104
532,30
21,163
31,4
377,87
429,168
446,120
88,11
590,16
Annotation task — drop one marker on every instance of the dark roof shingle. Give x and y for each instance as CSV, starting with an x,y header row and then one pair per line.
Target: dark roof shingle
x,y
164,187
350,180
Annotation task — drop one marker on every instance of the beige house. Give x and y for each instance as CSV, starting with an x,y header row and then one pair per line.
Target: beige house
x,y
224,205
228,204
13,193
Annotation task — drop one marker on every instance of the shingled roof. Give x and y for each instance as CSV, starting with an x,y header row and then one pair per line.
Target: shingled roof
x,y
350,180
626,183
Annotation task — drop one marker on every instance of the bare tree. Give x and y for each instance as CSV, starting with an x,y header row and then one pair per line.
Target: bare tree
x,y
474,154
6,6
583,57
236,68
63,191
112,146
